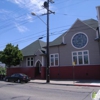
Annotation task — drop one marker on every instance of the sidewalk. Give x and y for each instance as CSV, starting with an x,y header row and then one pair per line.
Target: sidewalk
x,y
89,83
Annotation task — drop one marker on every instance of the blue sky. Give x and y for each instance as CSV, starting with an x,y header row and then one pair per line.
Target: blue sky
x,y
18,26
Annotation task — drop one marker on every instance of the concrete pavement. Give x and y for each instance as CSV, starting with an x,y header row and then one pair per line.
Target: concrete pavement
x,y
89,83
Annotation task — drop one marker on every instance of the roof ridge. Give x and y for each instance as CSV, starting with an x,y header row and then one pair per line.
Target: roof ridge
x,y
28,45
90,19
39,43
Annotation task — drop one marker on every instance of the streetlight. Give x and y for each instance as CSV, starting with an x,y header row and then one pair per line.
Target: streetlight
x,y
46,5
38,17
40,37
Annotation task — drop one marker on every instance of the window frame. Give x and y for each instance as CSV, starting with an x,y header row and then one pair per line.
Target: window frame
x,y
77,55
77,34
30,65
54,59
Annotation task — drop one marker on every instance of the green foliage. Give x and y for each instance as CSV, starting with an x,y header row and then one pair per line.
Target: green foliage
x,y
93,95
2,71
11,55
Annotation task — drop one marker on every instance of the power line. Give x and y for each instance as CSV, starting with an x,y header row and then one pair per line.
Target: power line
x,y
11,14
16,18
62,1
51,34
9,25
28,36
71,15
13,27
6,22
57,29
72,4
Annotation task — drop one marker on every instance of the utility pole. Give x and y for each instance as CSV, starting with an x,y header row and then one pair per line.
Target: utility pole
x,y
48,64
46,5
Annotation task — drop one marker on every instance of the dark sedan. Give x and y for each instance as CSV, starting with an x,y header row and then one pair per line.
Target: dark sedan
x,y
18,77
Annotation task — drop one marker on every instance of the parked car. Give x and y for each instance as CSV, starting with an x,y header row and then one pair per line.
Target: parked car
x,y
18,77
2,77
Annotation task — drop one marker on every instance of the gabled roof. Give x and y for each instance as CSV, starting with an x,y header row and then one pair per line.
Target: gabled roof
x,y
38,44
57,41
33,47
90,22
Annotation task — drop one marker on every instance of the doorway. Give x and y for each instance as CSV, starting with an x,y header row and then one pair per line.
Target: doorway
x,y
38,68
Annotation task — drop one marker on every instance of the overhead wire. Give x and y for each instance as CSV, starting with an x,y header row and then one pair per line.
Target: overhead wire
x,y
71,15
62,1
51,34
53,29
13,27
9,24
71,4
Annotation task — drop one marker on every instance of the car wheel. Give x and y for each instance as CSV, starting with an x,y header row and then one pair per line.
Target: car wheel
x,y
6,80
26,81
14,81
18,80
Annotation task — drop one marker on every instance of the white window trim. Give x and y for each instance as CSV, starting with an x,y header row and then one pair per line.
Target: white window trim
x,y
54,59
42,61
37,61
30,61
76,34
97,34
82,57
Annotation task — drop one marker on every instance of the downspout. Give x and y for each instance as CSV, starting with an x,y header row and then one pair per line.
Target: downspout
x,y
98,28
98,16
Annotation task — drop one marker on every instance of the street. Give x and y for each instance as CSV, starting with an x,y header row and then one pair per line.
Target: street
x,y
37,91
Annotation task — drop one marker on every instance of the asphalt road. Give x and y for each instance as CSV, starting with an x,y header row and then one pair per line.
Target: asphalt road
x,y
36,91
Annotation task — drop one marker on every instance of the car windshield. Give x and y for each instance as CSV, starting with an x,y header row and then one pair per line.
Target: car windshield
x,y
13,75
23,75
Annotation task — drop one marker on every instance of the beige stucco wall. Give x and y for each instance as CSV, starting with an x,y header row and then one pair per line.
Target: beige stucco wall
x,y
36,58
65,51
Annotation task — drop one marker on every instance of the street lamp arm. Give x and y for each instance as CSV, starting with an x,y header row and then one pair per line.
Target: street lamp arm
x,y
38,17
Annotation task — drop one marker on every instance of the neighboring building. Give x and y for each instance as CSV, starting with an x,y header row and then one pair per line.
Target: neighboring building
x,y
2,64
76,53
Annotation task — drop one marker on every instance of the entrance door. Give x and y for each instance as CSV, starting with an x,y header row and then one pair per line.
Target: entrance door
x,y
38,68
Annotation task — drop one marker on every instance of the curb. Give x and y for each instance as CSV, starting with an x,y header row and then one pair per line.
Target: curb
x,y
86,85
77,85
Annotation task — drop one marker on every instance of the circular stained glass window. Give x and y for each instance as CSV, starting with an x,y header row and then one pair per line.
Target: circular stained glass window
x,y
79,40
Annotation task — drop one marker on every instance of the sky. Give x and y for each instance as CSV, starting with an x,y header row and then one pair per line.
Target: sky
x,y
19,26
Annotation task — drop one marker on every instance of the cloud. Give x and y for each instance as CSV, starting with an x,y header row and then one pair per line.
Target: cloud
x,y
23,18
29,18
4,11
31,5
21,28
4,14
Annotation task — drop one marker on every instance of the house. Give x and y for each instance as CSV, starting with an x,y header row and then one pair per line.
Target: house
x,y
2,64
76,53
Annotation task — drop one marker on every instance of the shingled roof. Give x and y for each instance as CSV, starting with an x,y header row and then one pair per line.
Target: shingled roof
x,y
57,41
33,47
90,22
38,44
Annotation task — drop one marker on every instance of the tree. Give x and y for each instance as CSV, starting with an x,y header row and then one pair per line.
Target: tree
x,y
2,70
11,55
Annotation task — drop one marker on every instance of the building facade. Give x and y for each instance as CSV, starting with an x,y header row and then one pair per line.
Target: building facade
x,y
74,54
